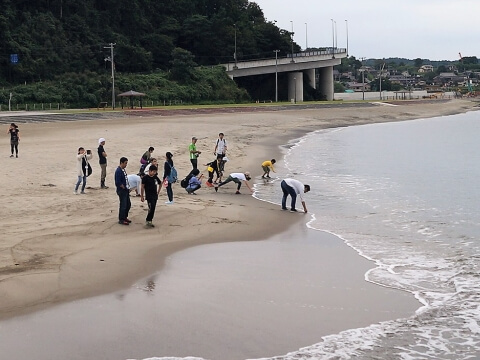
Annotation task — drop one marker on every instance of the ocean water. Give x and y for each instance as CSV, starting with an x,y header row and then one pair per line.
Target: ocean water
x,y
405,195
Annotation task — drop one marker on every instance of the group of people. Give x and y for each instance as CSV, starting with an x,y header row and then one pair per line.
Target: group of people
x,y
84,168
147,184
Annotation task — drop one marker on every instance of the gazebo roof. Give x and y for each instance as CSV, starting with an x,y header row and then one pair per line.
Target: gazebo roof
x,y
131,93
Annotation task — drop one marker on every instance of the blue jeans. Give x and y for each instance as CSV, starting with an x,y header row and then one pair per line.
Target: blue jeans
x,y
124,208
80,178
288,190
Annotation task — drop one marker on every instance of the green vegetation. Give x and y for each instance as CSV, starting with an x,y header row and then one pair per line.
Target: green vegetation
x,y
62,46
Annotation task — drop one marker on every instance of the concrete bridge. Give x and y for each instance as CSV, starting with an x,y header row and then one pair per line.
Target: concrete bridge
x,y
295,66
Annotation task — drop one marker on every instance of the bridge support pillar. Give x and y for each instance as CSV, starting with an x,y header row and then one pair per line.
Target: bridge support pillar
x,y
311,78
325,82
295,86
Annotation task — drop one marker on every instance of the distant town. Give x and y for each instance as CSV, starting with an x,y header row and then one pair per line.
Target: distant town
x,y
462,77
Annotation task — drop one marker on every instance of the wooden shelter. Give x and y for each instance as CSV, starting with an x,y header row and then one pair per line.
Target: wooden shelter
x,y
131,95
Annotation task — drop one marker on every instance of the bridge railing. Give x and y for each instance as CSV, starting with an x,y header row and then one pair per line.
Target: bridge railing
x,y
326,51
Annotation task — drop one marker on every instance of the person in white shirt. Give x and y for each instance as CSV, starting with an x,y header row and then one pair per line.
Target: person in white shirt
x,y
237,178
135,182
153,161
293,188
220,146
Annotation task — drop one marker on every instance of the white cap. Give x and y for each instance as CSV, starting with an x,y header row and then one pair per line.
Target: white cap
x,y
100,140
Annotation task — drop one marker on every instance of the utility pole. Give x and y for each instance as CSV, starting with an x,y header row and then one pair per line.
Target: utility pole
x,y
110,58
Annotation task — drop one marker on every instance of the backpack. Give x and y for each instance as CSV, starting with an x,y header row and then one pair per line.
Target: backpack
x,y
172,178
87,169
184,182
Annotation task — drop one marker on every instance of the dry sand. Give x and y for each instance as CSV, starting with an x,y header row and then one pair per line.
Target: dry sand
x,y
56,246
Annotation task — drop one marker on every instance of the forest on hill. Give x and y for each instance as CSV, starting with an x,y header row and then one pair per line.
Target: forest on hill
x,y
59,50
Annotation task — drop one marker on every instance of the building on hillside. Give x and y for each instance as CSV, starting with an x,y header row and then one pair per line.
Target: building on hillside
x,y
449,79
425,68
358,87
402,80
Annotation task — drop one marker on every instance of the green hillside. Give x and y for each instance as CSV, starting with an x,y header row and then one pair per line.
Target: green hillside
x,y
62,47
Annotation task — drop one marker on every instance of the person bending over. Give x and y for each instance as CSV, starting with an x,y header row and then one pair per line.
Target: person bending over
x,y
293,188
237,178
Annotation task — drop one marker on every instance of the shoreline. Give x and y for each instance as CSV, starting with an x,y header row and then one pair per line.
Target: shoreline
x,y
66,257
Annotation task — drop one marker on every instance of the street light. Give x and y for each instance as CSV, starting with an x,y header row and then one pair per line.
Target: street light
x,y
292,41
235,53
381,71
276,74
362,70
333,39
335,34
306,36
346,24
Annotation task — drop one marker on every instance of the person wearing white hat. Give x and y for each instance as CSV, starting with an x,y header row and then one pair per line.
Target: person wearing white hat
x,y
102,160
237,178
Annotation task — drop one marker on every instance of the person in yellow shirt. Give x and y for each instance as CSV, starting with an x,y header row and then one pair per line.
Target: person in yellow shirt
x,y
267,166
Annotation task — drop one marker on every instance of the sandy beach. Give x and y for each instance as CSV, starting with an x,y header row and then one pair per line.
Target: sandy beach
x,y
57,247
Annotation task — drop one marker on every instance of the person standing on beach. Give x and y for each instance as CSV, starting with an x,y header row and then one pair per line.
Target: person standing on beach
x,y
293,188
151,186
102,160
194,153
237,178
82,168
167,170
14,138
266,167
123,192
220,146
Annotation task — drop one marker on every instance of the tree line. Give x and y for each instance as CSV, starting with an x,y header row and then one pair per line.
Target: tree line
x,y
58,42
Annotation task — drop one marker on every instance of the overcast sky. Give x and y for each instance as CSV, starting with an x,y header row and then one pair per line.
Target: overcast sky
x,y
428,29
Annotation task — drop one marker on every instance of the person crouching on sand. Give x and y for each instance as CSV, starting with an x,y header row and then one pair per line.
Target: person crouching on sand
x,y
293,188
82,168
195,182
237,178
267,166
